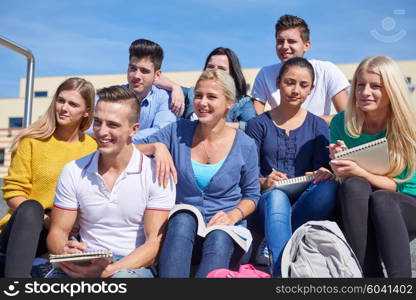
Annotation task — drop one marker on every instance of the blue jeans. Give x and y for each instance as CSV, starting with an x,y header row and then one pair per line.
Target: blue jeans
x,y
182,248
280,218
131,273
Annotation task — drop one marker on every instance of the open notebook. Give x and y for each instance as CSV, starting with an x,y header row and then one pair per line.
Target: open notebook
x,y
372,156
241,235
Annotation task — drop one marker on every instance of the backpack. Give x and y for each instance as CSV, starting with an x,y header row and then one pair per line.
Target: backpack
x,y
319,249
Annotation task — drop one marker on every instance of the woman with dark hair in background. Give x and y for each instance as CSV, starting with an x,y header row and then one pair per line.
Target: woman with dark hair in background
x,y
223,59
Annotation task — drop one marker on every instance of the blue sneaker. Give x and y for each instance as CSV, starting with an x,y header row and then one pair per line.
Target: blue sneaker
x,y
263,256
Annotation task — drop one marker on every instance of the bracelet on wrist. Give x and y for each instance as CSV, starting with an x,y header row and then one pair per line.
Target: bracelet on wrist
x,y
241,211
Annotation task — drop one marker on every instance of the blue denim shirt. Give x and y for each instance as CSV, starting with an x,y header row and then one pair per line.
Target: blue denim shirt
x,y
237,178
154,113
242,110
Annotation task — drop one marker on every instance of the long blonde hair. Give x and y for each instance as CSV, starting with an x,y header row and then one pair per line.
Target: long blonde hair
x,y
401,123
46,125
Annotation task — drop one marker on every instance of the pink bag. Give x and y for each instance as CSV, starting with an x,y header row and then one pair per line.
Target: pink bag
x,y
245,271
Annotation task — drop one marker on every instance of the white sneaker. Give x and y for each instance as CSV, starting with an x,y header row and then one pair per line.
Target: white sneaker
x,y
263,255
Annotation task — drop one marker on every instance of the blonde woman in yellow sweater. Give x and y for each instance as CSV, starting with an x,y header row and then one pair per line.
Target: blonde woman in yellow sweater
x,y
39,153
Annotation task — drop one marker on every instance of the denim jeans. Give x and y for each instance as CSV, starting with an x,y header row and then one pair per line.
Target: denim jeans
x,y
182,248
131,273
279,218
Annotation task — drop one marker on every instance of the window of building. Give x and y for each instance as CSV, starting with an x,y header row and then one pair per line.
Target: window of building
x,y
41,94
15,122
1,157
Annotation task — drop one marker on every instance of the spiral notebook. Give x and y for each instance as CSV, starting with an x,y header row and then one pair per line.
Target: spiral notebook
x,y
372,156
79,257
293,187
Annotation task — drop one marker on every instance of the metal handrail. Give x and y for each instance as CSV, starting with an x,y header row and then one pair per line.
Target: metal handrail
x,y
30,71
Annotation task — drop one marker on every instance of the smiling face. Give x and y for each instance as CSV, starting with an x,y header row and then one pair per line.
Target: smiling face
x,y
370,94
70,109
112,127
210,103
295,85
219,62
289,44
141,74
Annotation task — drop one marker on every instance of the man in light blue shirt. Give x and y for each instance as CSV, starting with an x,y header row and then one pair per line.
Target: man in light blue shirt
x,y
145,61
155,113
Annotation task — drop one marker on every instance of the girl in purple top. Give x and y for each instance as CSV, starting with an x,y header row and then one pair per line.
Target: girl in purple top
x,y
291,142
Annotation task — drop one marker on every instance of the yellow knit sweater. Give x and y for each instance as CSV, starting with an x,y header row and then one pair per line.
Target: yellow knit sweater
x,y
36,166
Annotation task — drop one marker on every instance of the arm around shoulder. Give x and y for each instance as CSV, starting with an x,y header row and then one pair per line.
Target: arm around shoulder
x,y
177,95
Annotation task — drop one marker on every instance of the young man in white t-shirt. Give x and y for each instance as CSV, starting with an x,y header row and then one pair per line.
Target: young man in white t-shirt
x,y
114,195
292,40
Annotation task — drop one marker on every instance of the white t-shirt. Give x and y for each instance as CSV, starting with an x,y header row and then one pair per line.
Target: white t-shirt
x,y
112,219
329,81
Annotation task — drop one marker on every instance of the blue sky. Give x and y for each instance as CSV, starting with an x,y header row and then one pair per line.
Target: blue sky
x,y
74,37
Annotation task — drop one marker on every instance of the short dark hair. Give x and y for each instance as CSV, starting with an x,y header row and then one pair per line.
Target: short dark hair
x,y
289,21
142,48
235,69
119,94
296,62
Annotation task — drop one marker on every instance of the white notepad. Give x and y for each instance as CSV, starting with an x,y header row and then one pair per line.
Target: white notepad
x,y
372,156
79,257
293,187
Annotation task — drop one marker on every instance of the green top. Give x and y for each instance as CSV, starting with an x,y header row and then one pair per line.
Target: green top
x,y
337,131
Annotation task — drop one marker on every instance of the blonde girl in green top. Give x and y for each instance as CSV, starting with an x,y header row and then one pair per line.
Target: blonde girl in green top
x,y
378,212
38,154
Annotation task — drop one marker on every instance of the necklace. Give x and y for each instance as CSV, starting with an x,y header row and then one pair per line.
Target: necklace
x,y
206,152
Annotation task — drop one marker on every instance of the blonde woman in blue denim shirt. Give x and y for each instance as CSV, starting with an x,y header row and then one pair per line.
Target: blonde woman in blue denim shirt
x,y
218,174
